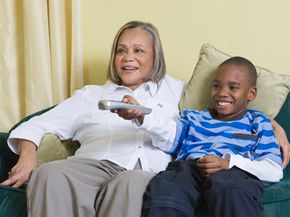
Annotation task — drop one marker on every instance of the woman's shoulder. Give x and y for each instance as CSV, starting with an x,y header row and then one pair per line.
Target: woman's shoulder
x,y
174,81
90,91
89,88
171,85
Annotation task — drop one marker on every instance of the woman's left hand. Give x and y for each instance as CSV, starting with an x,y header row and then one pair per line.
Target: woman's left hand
x,y
283,142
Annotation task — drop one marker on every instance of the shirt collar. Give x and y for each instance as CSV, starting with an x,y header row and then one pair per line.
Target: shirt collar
x,y
111,87
151,86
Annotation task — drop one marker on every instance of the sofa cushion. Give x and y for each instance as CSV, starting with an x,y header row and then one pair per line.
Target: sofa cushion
x,y
7,158
272,87
12,201
52,148
276,199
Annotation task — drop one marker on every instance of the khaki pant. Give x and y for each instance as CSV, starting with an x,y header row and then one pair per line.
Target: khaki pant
x,y
85,187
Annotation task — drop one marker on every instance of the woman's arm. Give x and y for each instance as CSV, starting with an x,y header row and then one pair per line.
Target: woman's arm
x,y
282,141
58,120
161,130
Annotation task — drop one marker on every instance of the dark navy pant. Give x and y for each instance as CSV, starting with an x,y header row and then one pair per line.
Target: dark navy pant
x,y
182,191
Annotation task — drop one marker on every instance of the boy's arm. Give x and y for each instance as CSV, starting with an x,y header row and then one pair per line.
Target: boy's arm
x,y
264,169
265,160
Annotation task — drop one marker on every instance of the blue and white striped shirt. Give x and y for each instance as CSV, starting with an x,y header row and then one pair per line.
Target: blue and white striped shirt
x,y
250,136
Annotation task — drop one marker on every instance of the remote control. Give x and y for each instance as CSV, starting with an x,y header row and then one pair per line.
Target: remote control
x,y
112,104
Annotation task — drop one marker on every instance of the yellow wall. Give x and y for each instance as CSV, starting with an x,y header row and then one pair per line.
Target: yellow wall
x,y
256,29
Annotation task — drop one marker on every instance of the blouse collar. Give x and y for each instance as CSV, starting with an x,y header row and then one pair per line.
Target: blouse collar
x,y
110,87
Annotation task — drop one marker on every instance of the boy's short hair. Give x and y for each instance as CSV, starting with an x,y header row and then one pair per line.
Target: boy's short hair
x,y
241,61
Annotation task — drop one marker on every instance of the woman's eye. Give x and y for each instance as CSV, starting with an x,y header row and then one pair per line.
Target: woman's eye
x,y
215,85
138,51
120,50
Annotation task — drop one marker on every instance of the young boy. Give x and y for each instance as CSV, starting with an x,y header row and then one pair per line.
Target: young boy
x,y
225,155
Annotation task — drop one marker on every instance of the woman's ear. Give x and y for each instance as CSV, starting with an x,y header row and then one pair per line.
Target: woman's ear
x,y
252,93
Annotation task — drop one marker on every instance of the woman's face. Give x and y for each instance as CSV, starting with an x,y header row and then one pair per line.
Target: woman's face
x,y
134,57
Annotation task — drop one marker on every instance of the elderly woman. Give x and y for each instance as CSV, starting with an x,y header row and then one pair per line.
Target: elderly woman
x,y
109,144
111,147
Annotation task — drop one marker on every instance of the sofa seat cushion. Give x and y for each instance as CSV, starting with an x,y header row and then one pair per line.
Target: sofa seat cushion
x,y
276,199
12,201
52,148
277,192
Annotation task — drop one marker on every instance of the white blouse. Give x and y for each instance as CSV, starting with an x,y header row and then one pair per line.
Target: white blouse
x,y
104,135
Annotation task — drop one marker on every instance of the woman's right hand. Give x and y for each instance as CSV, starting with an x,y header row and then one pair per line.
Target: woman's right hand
x,y
129,114
22,170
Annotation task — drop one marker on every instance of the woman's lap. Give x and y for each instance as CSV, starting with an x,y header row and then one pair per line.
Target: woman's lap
x,y
123,194
68,187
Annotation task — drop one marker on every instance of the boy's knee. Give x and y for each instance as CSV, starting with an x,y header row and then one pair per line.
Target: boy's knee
x,y
227,182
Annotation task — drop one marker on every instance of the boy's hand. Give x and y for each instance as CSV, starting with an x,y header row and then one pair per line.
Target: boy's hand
x,y
210,164
129,114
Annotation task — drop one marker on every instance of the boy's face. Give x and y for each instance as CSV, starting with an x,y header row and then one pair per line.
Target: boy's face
x,y
231,91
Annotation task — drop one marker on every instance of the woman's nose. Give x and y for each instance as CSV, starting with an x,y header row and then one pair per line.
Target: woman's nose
x,y
129,56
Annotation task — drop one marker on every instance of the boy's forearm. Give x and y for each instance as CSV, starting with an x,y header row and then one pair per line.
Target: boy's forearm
x,y
265,169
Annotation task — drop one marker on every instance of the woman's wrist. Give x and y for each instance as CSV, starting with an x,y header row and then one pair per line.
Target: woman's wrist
x,y
27,147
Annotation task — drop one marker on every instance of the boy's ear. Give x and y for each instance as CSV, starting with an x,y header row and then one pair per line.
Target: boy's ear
x,y
252,93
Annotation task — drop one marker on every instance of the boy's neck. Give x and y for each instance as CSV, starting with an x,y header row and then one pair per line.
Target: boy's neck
x,y
216,116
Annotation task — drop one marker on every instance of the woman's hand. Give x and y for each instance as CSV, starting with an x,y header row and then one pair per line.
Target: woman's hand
x,y
21,172
282,141
210,164
129,114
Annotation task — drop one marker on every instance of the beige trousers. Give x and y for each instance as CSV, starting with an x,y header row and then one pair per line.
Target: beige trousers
x,y
85,187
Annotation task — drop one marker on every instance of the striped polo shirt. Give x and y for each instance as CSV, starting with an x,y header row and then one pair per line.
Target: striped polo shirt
x,y
199,134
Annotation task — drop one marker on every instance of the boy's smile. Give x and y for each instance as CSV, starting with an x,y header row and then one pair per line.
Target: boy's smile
x,y
231,92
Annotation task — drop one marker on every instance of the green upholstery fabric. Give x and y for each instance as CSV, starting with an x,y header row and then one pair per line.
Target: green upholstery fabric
x,y
276,199
7,157
12,202
283,119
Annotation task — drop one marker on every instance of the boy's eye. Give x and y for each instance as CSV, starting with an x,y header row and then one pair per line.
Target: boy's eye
x,y
233,87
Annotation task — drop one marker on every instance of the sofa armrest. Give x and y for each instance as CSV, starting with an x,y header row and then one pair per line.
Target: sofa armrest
x,y
286,173
283,118
7,157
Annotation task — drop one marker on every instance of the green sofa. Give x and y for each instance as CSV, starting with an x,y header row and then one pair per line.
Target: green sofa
x,y
276,199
